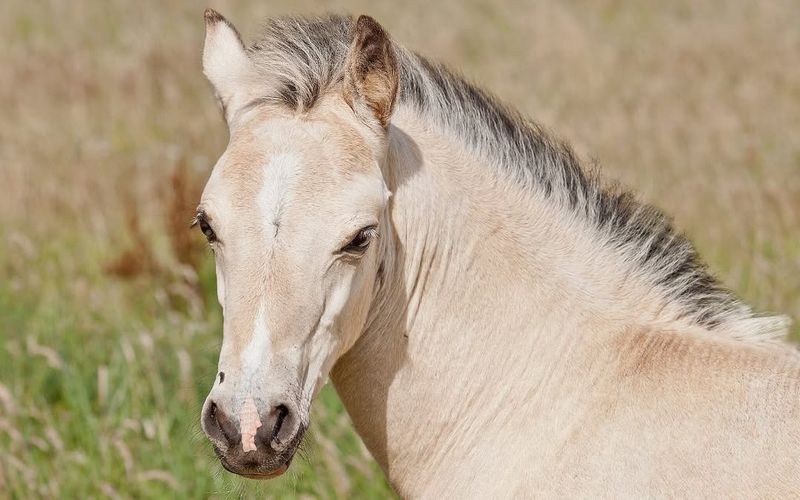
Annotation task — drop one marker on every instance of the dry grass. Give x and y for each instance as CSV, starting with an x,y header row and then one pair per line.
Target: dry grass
x,y
109,330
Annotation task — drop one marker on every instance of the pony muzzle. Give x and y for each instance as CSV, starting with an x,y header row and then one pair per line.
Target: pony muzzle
x,y
251,438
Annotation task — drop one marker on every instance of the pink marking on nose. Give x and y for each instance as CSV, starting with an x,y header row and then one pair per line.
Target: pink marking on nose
x,y
250,422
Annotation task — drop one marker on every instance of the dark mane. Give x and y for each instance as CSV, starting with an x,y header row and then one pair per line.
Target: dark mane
x,y
305,58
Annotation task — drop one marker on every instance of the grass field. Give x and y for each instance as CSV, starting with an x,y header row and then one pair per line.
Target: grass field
x,y
109,330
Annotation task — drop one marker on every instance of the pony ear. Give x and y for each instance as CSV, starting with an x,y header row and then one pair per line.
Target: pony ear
x,y
370,79
225,61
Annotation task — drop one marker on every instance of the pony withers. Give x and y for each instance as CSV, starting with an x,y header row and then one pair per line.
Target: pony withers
x,y
495,319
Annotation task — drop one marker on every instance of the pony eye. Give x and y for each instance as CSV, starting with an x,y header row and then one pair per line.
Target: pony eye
x,y
210,236
361,240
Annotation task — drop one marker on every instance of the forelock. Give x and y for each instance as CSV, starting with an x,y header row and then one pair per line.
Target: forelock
x,y
302,58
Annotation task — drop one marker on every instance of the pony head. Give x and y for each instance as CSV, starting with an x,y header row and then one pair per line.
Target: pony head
x,y
294,210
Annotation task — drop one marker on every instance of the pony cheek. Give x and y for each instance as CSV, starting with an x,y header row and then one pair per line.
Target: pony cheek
x,y
220,286
350,320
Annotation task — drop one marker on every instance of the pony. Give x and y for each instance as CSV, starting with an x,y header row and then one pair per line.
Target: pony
x,y
497,320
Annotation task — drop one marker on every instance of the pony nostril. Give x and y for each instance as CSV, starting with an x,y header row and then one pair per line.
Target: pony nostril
x,y
278,429
220,426
280,416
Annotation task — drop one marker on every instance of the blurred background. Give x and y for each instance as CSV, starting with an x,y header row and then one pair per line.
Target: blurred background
x,y
109,327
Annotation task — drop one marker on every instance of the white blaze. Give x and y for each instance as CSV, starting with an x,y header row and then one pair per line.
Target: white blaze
x,y
257,352
278,176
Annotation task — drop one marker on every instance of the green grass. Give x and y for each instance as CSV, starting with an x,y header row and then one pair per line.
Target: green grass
x,y
103,383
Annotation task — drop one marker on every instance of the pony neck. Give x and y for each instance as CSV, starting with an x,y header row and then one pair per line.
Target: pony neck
x,y
486,294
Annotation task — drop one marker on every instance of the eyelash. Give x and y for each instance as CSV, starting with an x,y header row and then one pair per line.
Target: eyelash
x,y
361,241
205,227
